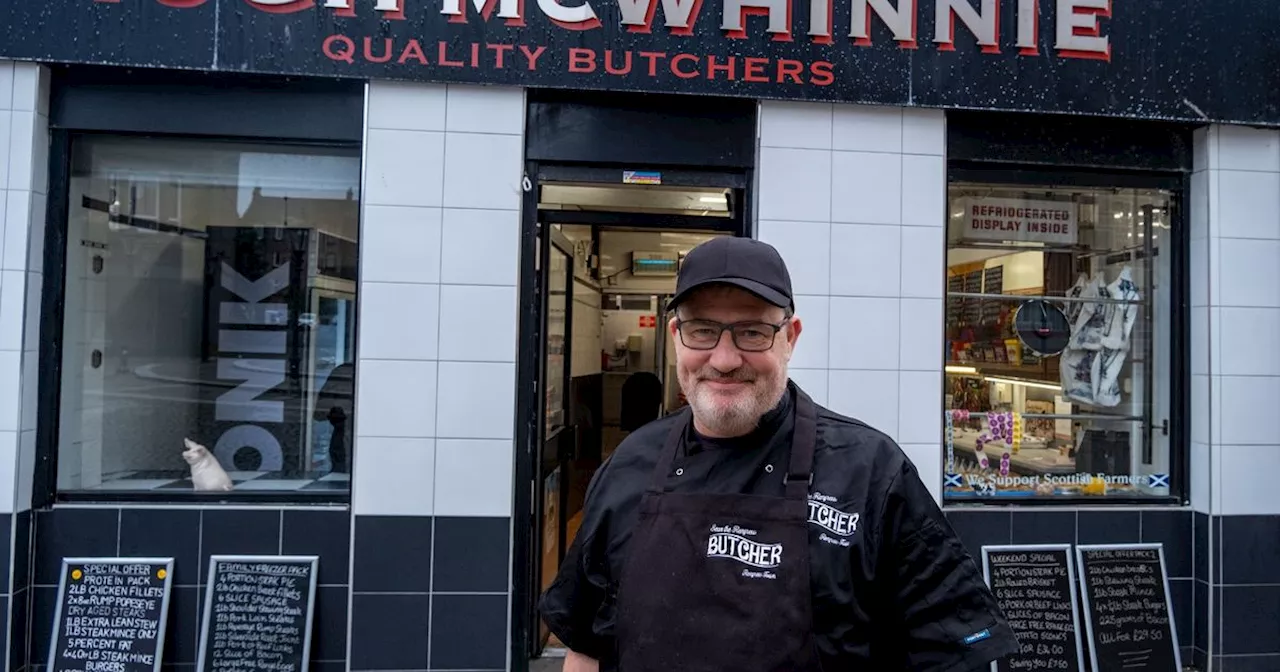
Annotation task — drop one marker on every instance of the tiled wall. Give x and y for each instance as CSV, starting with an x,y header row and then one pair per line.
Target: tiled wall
x,y
436,377
24,124
854,198
1235,300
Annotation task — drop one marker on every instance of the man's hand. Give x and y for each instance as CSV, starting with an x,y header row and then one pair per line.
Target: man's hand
x,y
576,662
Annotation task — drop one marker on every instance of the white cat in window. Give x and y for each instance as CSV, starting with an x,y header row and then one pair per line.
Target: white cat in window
x,y
206,473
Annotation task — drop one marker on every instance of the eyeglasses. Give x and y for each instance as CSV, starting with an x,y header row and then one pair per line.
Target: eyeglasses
x,y
747,336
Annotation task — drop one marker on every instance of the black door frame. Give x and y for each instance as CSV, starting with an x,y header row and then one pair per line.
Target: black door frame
x,y
526,549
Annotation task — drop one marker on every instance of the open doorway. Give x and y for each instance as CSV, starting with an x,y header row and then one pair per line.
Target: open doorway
x,y
607,245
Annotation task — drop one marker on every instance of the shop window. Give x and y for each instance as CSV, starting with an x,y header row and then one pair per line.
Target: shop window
x,y
1057,342
210,297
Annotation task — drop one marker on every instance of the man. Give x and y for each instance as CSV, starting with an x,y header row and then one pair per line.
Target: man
x,y
757,531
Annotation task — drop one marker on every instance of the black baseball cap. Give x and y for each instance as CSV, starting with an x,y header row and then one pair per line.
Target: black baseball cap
x,y
745,263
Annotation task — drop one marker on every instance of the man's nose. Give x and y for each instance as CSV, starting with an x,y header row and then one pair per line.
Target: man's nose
x,y
725,356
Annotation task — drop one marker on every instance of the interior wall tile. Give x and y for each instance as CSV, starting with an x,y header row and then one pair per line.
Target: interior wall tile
x,y
393,477
806,249
395,398
867,128
472,108
406,106
794,185
795,125
868,396
473,477
866,188
400,244
478,323
481,247
866,260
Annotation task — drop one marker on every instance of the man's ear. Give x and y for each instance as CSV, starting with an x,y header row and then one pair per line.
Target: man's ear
x,y
793,332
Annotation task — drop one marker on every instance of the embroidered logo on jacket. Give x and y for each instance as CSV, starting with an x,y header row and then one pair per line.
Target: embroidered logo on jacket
x,y
732,542
831,519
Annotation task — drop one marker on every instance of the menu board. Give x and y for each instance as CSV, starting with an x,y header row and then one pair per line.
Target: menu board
x,y
110,614
1126,608
1035,587
257,614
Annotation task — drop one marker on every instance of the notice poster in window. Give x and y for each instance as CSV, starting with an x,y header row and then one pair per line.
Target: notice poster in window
x,y
1007,219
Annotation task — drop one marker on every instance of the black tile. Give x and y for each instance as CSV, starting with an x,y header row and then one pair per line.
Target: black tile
x,y
392,554
978,528
328,666
472,555
1044,527
164,533
19,622
22,541
66,533
470,632
1200,659
1267,663
43,600
6,528
13,608
326,533
1250,548
1200,624
1250,620
1182,600
389,632
182,633
1200,552
329,629
1173,530
178,668
1108,527
237,532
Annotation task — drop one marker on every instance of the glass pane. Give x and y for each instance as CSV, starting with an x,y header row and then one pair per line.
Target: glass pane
x,y
1057,340
210,297
557,310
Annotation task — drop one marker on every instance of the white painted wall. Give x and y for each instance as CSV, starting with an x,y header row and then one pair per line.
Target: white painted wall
x,y
854,198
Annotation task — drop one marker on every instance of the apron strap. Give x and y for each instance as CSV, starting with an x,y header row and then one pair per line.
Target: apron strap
x,y
803,443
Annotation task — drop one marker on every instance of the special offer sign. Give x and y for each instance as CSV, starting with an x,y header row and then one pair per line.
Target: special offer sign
x,y
1007,219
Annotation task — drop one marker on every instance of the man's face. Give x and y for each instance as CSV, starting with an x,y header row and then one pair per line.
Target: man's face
x,y
731,387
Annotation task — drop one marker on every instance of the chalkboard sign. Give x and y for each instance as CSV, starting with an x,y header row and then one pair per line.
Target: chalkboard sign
x,y
110,615
1035,586
1126,608
257,614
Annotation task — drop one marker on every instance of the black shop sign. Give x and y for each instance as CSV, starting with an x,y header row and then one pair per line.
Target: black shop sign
x,y
1161,60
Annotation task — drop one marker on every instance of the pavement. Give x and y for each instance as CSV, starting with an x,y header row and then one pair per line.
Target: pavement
x,y
546,665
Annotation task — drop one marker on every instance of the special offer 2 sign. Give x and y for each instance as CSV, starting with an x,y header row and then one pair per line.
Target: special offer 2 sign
x,y
1005,219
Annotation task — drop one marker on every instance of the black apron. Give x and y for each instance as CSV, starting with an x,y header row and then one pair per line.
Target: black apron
x,y
721,582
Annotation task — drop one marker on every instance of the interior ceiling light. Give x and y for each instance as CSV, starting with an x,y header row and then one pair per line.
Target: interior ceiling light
x,y
712,199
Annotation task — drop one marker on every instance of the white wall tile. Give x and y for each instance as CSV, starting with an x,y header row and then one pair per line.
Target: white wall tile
x,y
919,407
1204,142
399,321
1247,480
31,339
920,335
1199,263
1201,469
864,333
483,171
478,323
40,155
400,244
866,188
481,247
485,109
794,184
1199,205
473,477
812,381
867,128
1244,148
395,398
1206,399
795,125
925,203
35,232
476,400
30,87
407,107
10,392
927,459
6,85
865,260
1246,399
22,150
806,248
868,396
6,124
811,350
1248,205
923,261
394,477
1200,341
26,470
17,225
404,168
1250,275
924,131
13,295
1247,340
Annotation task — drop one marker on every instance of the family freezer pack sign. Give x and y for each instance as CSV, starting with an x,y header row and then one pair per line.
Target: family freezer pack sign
x,y
1006,219
1113,57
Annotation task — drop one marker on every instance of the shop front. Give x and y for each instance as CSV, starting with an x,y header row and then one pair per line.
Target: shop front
x,y
382,282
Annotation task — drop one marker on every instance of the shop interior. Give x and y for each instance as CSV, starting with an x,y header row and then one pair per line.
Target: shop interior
x,y
1056,368
608,358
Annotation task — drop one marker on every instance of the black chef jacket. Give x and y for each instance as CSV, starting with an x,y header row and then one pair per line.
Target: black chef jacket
x,y
893,588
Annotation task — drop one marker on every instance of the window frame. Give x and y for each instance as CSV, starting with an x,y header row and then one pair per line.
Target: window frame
x,y
45,491
1178,183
